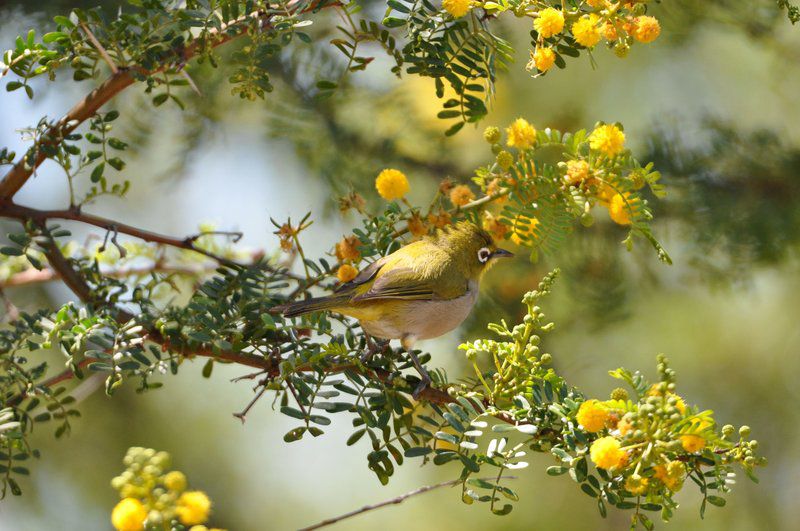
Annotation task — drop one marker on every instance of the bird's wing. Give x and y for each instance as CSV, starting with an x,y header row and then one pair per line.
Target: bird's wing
x,y
401,276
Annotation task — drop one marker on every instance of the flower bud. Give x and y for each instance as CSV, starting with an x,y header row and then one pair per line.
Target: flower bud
x,y
491,135
727,430
546,359
744,432
505,160
619,394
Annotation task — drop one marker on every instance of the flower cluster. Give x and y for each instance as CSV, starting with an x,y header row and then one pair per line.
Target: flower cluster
x,y
650,444
153,498
559,28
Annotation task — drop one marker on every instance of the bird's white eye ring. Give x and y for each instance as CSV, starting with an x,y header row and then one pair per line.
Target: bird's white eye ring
x,y
484,254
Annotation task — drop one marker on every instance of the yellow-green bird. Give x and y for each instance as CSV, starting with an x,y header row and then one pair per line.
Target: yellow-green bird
x,y
422,290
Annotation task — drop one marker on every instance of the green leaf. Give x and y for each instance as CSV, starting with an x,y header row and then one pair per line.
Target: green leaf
x,y
292,412
97,172
717,500
417,451
11,251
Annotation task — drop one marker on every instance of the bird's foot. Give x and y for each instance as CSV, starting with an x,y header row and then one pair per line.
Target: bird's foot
x,y
424,383
374,346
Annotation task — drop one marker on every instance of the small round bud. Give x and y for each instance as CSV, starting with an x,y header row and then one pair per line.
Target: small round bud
x,y
154,518
637,181
118,482
587,220
744,432
619,394
505,160
749,461
754,445
175,481
727,430
621,49
546,359
491,134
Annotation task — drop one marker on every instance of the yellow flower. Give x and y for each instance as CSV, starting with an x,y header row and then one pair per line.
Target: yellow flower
x,y
549,22
544,58
347,249
457,8
391,184
128,515
609,31
647,29
636,484
608,139
461,195
592,416
692,443
585,31
596,3
416,226
620,209
671,475
346,273
521,134
193,507
577,171
523,226
625,425
606,453
175,481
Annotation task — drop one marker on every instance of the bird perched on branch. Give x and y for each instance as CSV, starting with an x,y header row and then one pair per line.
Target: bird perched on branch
x,y
422,290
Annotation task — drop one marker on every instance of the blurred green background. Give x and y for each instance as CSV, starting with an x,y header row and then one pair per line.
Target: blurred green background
x,y
711,102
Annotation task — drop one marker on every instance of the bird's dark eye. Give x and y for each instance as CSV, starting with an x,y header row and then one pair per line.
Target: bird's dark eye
x,y
484,254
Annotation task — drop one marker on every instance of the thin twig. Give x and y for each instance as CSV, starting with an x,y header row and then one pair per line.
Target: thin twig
x,y
99,47
393,501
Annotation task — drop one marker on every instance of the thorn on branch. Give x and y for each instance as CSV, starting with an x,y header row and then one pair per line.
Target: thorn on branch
x,y
99,47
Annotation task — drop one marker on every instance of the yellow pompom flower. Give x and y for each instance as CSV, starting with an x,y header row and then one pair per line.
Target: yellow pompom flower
x,y
544,58
620,210
585,31
596,3
636,484
523,227
128,515
193,507
391,184
671,475
647,29
609,31
440,220
692,443
346,273
577,171
461,195
606,452
521,134
175,481
625,425
457,8
592,416
607,139
549,22
347,249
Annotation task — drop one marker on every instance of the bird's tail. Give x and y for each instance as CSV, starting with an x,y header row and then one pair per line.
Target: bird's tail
x,y
293,309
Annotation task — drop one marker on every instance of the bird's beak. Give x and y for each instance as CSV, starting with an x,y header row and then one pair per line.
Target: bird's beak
x,y
502,253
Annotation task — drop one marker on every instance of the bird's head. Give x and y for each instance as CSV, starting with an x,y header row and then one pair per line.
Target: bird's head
x,y
472,249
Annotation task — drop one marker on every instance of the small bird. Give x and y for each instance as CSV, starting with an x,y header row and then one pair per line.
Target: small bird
x,y
423,290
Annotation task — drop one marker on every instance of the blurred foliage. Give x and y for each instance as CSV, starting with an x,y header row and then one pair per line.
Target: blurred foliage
x,y
336,133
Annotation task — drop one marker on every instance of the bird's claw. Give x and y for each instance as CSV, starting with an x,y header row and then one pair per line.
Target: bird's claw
x,y
423,384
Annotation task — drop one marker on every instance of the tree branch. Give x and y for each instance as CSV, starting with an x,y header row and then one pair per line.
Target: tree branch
x,y
18,175
22,213
393,501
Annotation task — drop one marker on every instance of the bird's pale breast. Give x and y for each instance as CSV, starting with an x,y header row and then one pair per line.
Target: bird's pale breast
x,y
422,319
